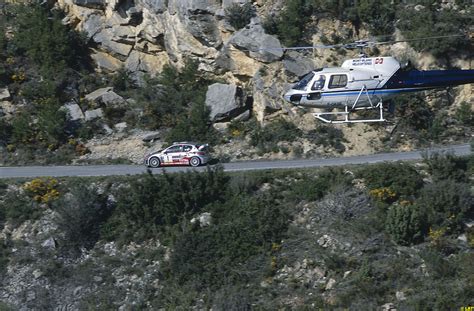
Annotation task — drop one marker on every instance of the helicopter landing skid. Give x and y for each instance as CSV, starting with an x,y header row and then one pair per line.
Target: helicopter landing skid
x,y
347,111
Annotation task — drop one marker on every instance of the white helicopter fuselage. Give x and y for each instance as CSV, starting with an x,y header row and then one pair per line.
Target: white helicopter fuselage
x,y
361,79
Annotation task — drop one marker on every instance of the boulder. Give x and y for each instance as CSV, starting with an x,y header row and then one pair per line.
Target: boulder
x,y
105,96
204,219
123,34
330,284
106,61
112,99
49,243
152,64
105,39
267,99
179,42
297,65
263,105
225,100
242,63
4,94
189,7
97,94
204,28
257,43
94,114
74,111
154,6
121,127
151,137
92,4
243,116
92,25
227,3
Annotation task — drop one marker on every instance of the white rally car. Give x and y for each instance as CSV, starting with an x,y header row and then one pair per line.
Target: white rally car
x,y
179,153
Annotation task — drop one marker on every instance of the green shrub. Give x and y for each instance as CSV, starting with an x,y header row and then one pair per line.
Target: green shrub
x,y
4,74
465,114
4,256
81,214
312,189
401,178
378,14
5,132
167,97
405,224
445,165
114,115
40,34
328,136
17,208
46,130
243,228
266,137
292,21
239,15
447,203
34,90
51,124
122,80
154,203
22,132
196,126
413,112
433,21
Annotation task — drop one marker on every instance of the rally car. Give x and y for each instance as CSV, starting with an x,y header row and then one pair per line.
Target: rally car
x,y
179,153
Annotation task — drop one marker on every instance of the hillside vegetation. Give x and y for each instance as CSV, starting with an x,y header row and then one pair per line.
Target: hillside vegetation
x,y
362,237
46,66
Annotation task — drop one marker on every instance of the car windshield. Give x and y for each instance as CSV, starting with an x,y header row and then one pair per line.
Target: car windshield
x,y
301,85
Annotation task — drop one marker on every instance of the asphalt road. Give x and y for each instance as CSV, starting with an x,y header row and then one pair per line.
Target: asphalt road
x,y
108,170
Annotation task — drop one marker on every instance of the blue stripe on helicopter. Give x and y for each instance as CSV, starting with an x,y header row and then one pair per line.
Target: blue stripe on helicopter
x,y
373,92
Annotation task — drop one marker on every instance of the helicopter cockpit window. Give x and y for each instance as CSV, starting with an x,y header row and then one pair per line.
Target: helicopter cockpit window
x,y
301,85
318,83
337,81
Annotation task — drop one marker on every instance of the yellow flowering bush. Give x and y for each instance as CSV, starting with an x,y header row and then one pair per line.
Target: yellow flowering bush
x,y
42,190
383,194
18,77
436,236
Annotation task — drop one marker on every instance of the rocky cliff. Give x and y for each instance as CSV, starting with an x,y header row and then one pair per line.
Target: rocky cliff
x,y
143,36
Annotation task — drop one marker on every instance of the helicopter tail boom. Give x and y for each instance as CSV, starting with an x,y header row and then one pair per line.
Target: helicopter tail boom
x,y
429,79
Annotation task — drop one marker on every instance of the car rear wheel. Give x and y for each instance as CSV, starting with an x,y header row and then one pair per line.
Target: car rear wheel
x,y
194,161
154,162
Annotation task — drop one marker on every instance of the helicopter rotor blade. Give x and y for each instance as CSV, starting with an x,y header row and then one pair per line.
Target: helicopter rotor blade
x,y
416,39
312,47
358,44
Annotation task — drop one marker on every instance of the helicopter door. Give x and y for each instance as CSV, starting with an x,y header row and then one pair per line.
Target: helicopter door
x,y
338,83
316,87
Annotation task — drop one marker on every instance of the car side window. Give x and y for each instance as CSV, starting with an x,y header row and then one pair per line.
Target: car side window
x,y
171,149
187,148
337,81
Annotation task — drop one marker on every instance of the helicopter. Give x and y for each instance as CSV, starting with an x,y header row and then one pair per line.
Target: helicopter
x,y
364,83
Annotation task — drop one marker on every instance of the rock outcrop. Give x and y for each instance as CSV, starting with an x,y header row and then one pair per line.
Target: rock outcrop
x,y
143,36
225,101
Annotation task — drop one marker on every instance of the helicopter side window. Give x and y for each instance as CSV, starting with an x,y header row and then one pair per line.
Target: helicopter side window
x,y
337,81
301,85
318,83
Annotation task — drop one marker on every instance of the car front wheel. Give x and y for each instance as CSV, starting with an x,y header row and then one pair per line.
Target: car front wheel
x,y
154,162
195,161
